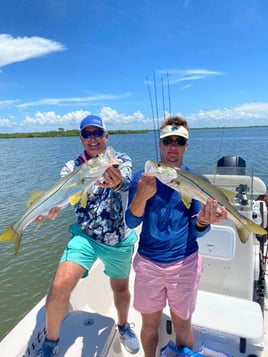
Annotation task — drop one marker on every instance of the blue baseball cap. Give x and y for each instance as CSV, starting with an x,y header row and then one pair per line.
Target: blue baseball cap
x,y
92,120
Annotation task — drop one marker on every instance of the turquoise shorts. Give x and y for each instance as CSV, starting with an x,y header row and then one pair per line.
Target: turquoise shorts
x,y
84,250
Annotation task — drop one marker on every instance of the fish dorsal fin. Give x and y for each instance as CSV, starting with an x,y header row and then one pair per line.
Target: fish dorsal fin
x,y
229,194
33,197
186,200
83,202
74,199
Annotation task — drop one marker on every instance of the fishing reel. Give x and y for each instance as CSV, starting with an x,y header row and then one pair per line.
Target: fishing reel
x,y
241,196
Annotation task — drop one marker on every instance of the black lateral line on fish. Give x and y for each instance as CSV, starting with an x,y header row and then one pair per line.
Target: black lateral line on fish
x,y
47,197
196,184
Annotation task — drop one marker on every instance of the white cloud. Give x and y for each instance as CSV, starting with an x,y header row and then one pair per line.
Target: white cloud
x,y
8,102
6,123
122,121
52,119
261,107
114,120
185,87
182,75
247,114
23,48
187,72
89,100
244,114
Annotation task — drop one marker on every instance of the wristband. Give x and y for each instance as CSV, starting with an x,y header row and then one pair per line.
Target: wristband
x,y
202,223
117,187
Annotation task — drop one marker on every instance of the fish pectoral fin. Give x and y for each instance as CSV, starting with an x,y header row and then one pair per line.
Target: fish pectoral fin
x,y
74,199
186,200
79,197
229,194
83,202
33,197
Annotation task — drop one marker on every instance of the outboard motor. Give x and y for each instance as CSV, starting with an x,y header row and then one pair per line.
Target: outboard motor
x,y
234,165
231,165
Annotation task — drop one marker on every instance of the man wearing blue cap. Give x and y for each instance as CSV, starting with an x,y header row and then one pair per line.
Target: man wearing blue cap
x,y
107,238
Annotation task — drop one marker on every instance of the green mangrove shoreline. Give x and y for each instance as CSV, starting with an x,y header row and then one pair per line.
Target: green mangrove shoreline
x,y
74,132
59,133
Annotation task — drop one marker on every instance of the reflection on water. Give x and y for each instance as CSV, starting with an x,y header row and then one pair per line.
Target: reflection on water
x,y
29,165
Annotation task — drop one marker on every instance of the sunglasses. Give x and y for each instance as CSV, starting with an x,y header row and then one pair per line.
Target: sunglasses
x,y
179,141
95,133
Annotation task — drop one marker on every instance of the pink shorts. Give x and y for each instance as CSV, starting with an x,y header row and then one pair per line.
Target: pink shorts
x,y
176,283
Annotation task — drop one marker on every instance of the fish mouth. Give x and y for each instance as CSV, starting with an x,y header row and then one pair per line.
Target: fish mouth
x,y
166,174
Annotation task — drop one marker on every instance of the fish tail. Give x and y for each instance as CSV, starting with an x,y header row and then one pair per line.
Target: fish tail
x,y
253,227
250,226
11,234
7,235
243,233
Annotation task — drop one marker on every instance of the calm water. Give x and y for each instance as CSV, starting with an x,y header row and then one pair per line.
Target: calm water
x,y
29,165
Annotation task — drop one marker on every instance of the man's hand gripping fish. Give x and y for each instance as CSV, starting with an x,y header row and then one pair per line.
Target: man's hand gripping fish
x,y
191,186
70,189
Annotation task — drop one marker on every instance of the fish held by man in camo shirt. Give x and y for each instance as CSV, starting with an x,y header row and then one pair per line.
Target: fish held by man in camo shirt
x,y
71,189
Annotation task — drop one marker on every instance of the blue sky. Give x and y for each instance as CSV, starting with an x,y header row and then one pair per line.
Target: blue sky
x,y
60,60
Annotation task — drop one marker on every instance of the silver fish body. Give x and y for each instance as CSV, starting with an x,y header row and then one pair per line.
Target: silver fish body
x,y
70,189
191,186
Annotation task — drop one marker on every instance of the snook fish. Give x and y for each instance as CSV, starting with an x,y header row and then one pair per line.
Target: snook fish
x,y
193,186
70,189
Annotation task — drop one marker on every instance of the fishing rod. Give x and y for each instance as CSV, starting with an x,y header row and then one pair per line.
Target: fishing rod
x,y
220,149
169,102
152,109
165,111
163,98
156,103
157,127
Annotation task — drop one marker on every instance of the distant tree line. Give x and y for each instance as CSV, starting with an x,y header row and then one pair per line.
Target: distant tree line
x,y
61,132
75,132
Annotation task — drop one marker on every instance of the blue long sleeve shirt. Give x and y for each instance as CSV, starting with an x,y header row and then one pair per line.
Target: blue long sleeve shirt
x,y
169,231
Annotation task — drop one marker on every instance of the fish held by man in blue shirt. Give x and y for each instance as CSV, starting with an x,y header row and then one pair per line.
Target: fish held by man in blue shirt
x,y
191,186
70,189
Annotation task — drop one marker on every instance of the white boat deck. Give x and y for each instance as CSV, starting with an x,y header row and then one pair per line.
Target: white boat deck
x,y
225,315
265,350
84,339
87,331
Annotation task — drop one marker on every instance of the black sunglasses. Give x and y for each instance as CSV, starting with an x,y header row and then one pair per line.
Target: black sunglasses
x,y
181,141
95,133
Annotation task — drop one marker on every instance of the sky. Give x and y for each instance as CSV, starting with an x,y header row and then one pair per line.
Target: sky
x,y
132,62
